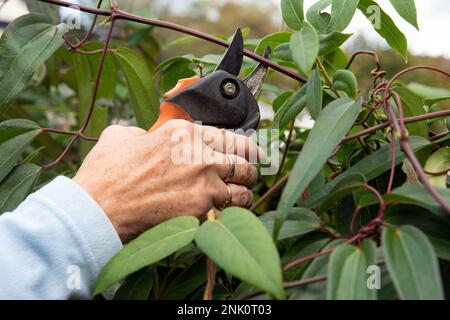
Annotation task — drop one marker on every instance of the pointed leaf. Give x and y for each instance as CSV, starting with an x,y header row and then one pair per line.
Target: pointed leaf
x,y
347,272
438,163
417,194
342,12
319,19
413,106
16,186
371,167
136,286
150,247
407,10
143,95
331,126
290,109
292,11
15,127
272,40
387,28
15,135
240,244
331,42
299,221
24,46
314,94
305,47
48,10
412,264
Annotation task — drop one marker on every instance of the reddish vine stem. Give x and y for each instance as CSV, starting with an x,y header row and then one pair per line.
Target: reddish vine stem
x,y
99,76
122,15
69,133
88,34
404,140
269,192
407,120
63,154
295,263
80,133
210,281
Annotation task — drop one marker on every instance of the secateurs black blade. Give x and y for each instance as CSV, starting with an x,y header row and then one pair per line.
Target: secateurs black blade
x,y
220,98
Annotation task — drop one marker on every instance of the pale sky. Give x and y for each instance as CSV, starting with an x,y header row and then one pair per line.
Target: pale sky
x,y
434,21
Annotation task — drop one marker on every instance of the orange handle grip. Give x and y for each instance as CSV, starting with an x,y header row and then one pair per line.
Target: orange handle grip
x,y
168,110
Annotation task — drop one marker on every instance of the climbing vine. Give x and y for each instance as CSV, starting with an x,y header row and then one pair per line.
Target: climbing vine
x,y
365,187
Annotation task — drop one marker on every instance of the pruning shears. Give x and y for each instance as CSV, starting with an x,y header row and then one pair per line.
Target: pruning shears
x,y
219,99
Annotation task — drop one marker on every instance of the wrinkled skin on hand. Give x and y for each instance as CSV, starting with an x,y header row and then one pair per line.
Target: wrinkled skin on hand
x,y
133,177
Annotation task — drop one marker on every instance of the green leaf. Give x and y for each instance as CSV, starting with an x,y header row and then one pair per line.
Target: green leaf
x,y
387,28
371,167
352,182
407,10
299,221
428,92
318,267
150,247
331,42
342,12
143,95
24,46
413,106
347,272
431,102
278,102
345,80
136,286
331,126
16,127
335,61
290,109
292,11
438,162
305,47
85,69
178,70
418,195
240,244
412,264
11,147
188,281
314,94
283,52
50,11
437,229
272,40
17,185
317,17
163,66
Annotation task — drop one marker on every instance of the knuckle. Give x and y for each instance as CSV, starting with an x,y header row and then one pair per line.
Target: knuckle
x,y
112,128
179,124
243,196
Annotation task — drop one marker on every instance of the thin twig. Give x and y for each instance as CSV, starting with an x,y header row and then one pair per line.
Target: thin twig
x,y
273,189
122,15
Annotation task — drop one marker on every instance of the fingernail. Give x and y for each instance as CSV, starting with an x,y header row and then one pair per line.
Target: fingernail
x,y
261,154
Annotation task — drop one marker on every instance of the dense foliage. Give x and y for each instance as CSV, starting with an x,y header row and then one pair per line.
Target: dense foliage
x,y
365,187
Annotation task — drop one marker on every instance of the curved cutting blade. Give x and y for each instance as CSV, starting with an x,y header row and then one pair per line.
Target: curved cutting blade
x,y
232,59
255,80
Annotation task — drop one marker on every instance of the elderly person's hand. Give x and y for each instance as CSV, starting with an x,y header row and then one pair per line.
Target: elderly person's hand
x,y
141,179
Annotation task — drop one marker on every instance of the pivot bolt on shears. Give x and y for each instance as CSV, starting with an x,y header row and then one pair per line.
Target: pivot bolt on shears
x,y
219,99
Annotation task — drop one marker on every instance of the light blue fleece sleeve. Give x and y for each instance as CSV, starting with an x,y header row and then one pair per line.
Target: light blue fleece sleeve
x,y
54,244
